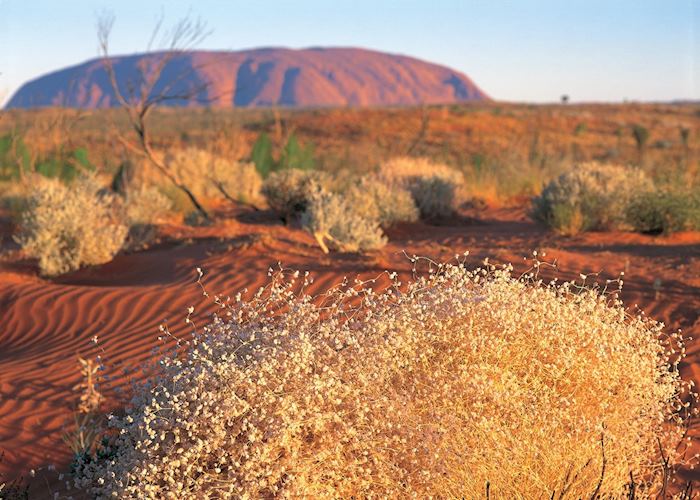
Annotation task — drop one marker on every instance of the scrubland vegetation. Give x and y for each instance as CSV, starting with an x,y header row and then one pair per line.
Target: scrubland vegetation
x,y
463,379
630,186
460,383
68,227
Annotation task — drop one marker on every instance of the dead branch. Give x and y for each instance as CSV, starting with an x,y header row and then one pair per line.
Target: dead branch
x,y
602,468
420,136
142,97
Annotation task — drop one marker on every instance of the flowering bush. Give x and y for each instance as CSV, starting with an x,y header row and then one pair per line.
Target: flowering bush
x,y
438,388
330,218
387,204
67,227
593,196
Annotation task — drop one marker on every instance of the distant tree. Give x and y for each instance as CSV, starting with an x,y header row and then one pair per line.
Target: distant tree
x,y
140,96
564,99
685,136
641,136
580,128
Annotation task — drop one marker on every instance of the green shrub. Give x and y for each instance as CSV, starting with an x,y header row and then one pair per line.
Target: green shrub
x,y
15,161
641,135
664,212
331,219
14,157
591,197
67,227
261,155
293,155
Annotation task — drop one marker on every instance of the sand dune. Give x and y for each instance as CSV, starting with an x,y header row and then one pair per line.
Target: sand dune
x,y
47,324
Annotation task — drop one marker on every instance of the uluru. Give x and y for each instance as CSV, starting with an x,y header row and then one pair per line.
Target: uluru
x,y
311,77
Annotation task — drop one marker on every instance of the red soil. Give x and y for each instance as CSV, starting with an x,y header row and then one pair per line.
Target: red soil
x,y
47,324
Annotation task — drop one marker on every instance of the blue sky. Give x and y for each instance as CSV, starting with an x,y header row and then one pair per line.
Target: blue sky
x,y
515,50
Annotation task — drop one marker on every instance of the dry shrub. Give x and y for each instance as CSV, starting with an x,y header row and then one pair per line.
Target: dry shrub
x,y
67,227
436,188
665,211
143,208
146,205
374,199
15,489
329,217
460,379
592,196
402,169
434,196
13,198
287,192
209,176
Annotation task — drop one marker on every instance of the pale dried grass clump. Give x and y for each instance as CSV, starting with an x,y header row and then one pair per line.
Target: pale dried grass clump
x,y
402,169
146,205
458,380
214,177
592,196
143,209
435,187
67,227
334,222
374,199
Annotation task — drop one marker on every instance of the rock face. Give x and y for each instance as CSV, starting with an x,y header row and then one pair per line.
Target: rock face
x,y
259,77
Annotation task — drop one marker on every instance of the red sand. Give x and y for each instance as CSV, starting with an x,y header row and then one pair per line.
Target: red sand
x,y
47,324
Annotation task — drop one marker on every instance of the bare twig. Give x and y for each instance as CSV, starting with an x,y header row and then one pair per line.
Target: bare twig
x,y
143,98
420,136
666,466
602,469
